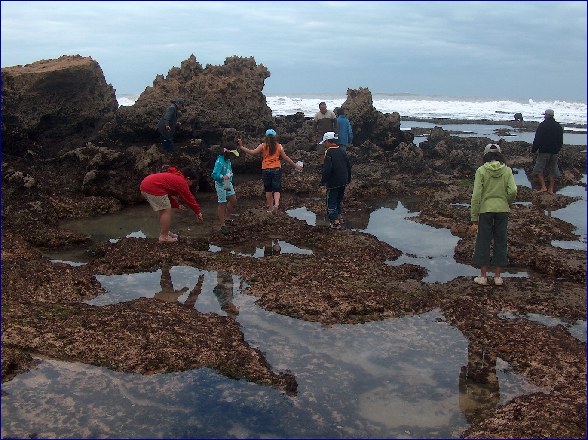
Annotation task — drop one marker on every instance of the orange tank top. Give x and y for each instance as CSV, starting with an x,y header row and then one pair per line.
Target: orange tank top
x,y
273,160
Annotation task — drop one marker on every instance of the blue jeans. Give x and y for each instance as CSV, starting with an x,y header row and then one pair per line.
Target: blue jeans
x,y
334,202
272,179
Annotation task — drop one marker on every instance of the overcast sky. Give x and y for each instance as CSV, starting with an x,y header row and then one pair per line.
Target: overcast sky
x,y
528,50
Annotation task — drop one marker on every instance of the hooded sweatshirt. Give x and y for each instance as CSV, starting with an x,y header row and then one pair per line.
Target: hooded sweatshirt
x,y
171,183
494,189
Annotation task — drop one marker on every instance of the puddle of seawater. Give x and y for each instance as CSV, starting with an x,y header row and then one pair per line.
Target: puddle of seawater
x,y
482,130
575,214
577,330
521,178
398,378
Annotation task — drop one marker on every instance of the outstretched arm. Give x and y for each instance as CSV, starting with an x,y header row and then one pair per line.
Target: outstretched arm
x,y
247,150
290,161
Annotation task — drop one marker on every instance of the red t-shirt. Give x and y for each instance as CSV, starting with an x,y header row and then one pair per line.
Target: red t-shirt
x,y
170,183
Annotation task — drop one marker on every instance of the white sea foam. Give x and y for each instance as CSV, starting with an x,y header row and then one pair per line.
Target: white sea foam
x,y
429,107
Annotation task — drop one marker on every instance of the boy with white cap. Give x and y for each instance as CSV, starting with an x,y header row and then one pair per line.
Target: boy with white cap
x,y
336,174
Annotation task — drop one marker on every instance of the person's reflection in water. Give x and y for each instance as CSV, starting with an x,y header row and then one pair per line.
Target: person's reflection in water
x,y
479,392
273,249
224,293
168,294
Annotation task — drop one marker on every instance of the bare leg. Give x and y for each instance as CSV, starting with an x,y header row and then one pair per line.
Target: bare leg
x,y
229,210
165,216
497,271
551,184
276,200
222,208
542,182
269,198
483,271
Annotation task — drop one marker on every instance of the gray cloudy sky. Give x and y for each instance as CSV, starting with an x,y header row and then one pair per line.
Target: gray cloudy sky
x,y
528,49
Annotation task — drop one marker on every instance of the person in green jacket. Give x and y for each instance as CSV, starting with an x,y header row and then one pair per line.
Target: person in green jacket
x,y
494,193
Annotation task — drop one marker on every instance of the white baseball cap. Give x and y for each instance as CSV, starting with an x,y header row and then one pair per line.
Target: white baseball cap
x,y
329,136
494,148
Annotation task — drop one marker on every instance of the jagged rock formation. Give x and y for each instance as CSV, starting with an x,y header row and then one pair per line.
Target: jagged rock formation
x,y
217,97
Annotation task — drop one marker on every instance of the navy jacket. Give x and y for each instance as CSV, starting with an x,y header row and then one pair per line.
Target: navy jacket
x,y
336,169
170,117
548,137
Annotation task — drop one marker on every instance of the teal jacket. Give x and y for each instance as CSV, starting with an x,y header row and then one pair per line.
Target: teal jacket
x,y
222,166
494,189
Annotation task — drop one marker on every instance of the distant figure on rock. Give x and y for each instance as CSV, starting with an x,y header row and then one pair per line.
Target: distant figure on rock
x,y
494,192
345,131
547,143
161,191
518,117
324,121
271,167
168,123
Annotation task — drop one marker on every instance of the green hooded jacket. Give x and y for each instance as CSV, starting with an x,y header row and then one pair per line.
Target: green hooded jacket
x,y
494,189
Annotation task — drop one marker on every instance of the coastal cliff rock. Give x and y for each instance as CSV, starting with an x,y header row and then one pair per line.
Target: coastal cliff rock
x,y
51,104
217,98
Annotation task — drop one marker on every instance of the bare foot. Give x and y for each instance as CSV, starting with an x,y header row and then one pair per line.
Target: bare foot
x,y
542,190
172,235
550,191
167,239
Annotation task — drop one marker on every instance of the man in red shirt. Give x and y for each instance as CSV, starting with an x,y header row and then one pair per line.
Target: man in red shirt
x,y
161,191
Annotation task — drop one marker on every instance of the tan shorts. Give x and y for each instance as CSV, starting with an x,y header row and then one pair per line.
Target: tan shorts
x,y
158,203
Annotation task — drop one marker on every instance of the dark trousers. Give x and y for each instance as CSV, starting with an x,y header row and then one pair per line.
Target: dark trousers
x,y
166,143
334,202
492,227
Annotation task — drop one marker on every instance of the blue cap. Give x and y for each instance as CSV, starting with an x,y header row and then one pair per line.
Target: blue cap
x,y
270,132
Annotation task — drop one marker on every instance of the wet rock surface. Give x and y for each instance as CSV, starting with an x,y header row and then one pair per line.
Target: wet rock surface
x,y
345,280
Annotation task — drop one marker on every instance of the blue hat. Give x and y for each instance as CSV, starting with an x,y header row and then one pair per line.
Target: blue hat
x,y
270,132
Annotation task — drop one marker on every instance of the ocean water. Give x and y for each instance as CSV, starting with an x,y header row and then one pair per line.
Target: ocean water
x,y
417,106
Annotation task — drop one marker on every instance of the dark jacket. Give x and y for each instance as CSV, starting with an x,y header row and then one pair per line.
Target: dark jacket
x,y
336,169
548,137
170,118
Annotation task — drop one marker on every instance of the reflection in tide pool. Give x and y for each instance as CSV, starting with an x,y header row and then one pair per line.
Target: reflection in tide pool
x,y
398,378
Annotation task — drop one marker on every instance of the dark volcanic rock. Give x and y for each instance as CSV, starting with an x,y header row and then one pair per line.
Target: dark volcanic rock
x,y
51,104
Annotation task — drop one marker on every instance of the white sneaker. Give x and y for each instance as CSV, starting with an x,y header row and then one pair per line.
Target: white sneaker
x,y
498,281
483,281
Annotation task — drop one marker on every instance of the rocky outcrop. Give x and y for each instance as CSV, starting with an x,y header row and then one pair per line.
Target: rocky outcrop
x,y
51,104
217,98
370,124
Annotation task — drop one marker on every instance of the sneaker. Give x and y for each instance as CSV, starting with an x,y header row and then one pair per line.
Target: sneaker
x,y
336,225
483,281
498,281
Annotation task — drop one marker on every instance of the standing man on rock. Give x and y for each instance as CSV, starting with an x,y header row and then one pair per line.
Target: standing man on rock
x,y
167,125
547,143
324,121
345,131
